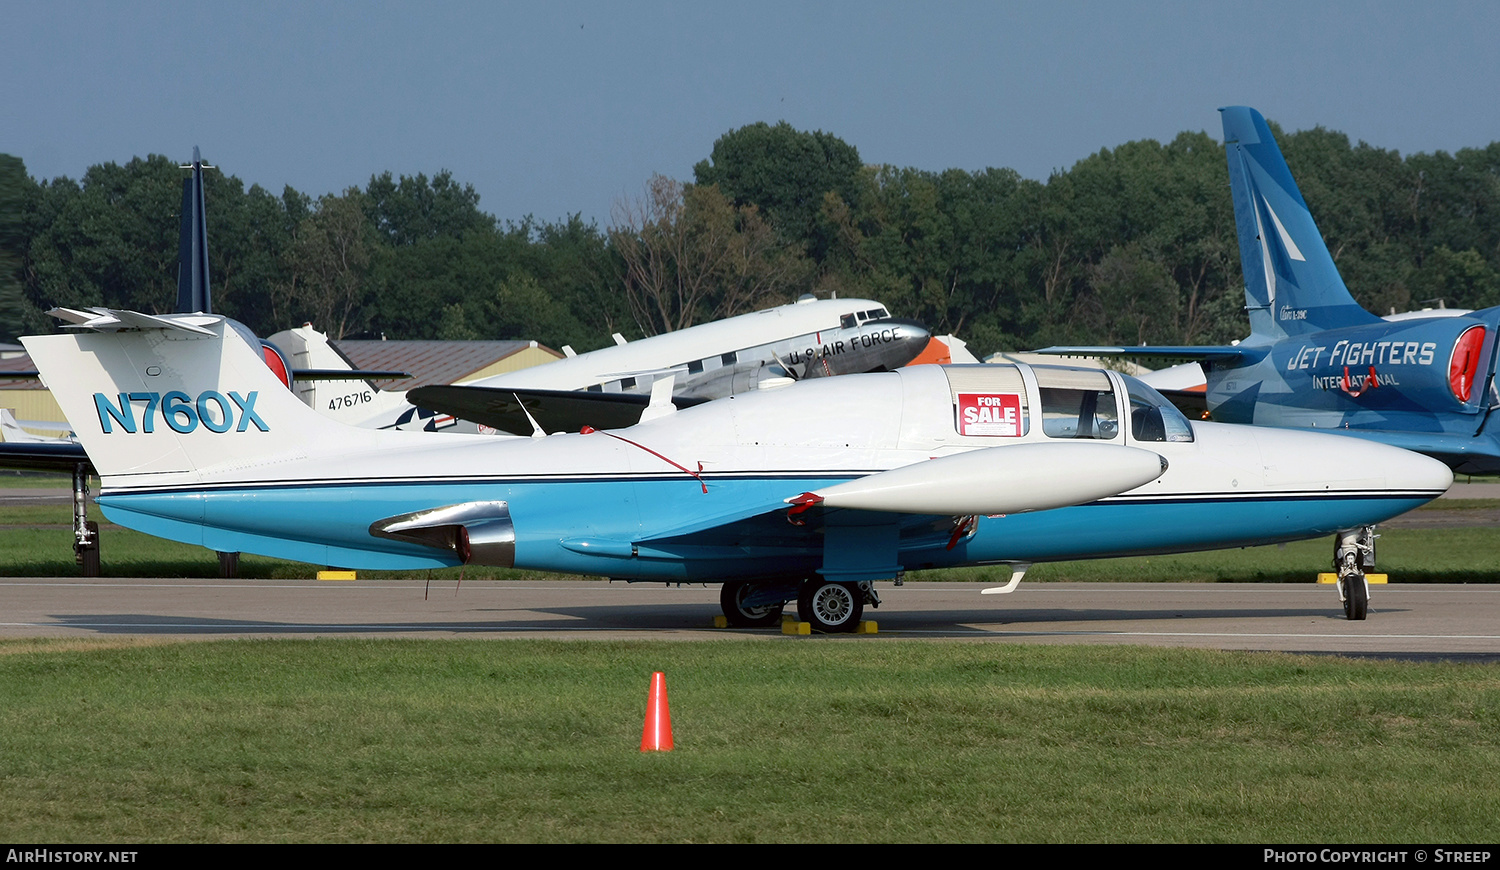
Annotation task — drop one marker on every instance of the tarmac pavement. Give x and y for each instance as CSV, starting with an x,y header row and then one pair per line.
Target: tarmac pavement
x,y
1460,622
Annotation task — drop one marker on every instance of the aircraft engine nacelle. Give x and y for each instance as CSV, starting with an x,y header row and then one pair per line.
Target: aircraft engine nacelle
x,y
1435,363
477,532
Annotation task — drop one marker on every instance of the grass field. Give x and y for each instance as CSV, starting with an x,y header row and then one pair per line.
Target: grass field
x,y
823,741
12,479
820,740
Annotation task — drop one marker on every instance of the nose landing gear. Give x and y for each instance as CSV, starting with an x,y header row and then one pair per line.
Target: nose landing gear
x,y
1353,558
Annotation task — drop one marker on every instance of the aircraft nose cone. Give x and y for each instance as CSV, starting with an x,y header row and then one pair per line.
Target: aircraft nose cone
x,y
1416,471
910,339
1342,463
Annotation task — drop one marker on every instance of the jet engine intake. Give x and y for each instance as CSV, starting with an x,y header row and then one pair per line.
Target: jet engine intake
x,y
478,532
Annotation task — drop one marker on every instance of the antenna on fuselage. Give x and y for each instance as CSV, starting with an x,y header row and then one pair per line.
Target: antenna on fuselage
x,y
536,430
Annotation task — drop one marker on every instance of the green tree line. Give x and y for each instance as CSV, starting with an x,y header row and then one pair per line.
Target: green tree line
x,y
1132,244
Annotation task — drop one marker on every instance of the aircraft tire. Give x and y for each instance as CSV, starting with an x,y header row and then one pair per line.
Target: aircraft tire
x,y
732,593
830,607
1356,597
88,557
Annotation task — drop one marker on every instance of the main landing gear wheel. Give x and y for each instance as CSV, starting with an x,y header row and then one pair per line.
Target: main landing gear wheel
x,y
732,597
1356,597
830,607
85,531
88,554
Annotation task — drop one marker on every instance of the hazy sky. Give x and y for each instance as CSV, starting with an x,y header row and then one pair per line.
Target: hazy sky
x,y
562,107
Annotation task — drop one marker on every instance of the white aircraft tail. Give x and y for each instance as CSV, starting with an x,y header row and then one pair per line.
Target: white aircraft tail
x,y
355,402
150,399
307,348
12,433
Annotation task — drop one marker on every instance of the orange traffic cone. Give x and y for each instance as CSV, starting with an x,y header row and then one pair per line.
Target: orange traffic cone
x,y
658,733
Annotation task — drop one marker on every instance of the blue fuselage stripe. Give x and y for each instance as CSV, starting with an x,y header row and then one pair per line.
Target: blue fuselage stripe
x,y
329,524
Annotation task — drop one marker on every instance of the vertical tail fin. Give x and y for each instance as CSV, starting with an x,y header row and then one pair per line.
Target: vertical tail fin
x,y
192,250
1291,283
11,431
308,349
152,398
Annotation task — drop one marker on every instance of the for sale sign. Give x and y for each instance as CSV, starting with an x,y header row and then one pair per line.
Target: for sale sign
x,y
989,414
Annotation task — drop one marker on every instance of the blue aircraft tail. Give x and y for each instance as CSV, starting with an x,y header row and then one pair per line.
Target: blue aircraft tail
x,y
1291,284
192,262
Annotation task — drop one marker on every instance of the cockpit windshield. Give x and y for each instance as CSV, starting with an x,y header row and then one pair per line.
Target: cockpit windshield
x,y
1152,417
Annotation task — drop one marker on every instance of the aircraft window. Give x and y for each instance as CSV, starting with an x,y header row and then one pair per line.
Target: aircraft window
x,y
728,359
862,316
1153,418
988,401
1079,414
627,383
596,388
695,367
874,314
847,321
1077,403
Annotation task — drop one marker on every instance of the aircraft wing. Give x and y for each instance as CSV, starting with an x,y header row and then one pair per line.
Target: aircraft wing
x,y
929,504
347,375
554,410
1212,353
643,373
42,455
990,481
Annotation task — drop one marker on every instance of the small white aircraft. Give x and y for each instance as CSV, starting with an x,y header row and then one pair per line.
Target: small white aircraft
x,y
811,493
810,338
12,431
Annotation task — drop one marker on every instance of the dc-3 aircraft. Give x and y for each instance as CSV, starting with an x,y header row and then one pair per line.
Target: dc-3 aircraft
x,y
1315,359
810,493
809,338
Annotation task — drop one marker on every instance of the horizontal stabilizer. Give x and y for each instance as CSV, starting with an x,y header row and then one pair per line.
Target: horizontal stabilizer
x,y
112,320
347,375
1217,353
998,480
42,455
553,410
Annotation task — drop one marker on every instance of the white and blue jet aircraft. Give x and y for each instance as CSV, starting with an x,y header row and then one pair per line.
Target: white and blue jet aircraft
x,y
810,493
